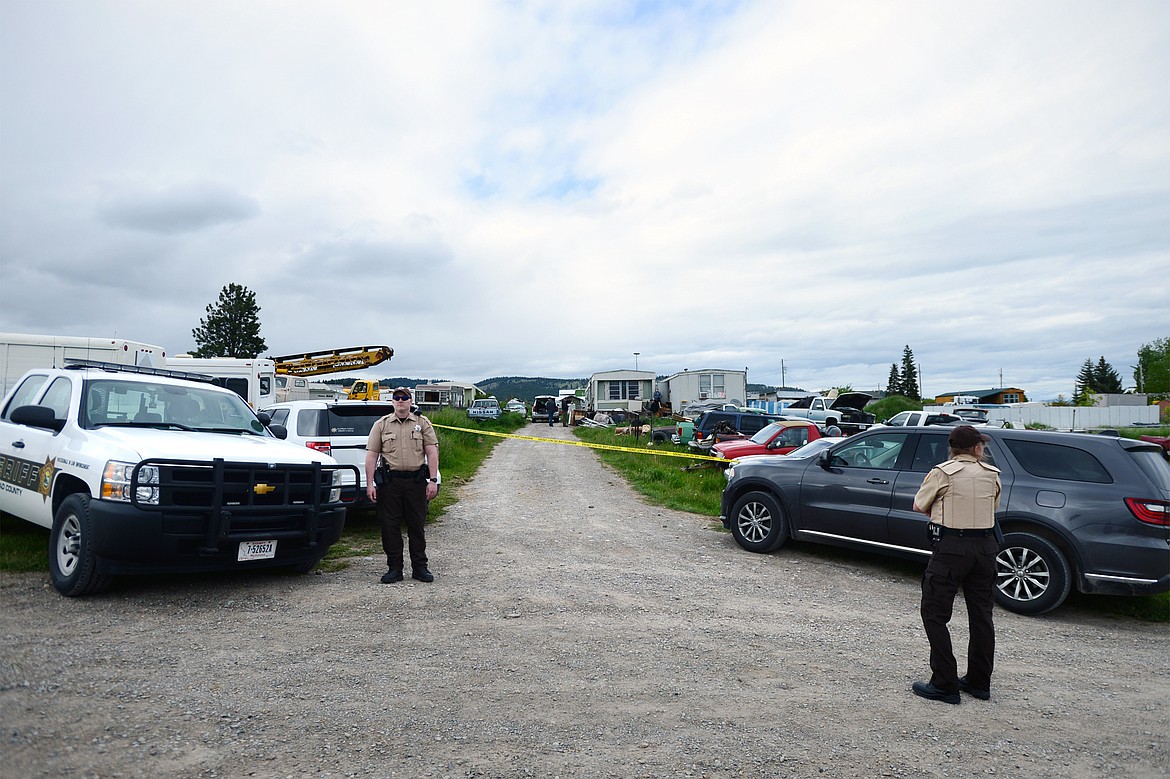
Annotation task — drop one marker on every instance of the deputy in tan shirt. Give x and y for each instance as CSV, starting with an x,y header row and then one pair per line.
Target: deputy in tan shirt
x,y
402,476
960,496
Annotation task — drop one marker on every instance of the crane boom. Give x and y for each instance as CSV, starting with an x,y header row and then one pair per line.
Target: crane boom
x,y
332,360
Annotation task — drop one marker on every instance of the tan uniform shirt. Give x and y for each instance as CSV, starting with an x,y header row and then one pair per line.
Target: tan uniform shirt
x,y
960,493
401,442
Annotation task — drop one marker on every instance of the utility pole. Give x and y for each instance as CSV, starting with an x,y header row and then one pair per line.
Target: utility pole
x,y
783,383
636,360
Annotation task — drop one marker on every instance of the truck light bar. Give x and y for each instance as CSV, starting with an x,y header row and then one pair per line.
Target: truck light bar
x,y
77,363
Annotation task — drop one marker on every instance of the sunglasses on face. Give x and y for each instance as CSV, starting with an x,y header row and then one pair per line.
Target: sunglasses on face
x,y
402,397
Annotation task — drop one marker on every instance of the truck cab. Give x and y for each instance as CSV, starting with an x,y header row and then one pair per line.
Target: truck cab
x,y
363,389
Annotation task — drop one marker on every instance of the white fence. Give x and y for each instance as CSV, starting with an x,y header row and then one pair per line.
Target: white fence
x,y
1072,417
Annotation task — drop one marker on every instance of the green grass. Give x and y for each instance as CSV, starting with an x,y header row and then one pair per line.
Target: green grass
x,y
23,545
684,484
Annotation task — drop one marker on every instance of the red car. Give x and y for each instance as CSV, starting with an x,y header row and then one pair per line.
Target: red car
x,y
777,438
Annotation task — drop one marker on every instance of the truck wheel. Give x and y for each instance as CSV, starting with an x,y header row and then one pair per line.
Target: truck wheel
x,y
1032,576
758,523
72,564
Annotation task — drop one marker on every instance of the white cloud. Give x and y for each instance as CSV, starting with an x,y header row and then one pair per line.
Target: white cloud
x,y
544,188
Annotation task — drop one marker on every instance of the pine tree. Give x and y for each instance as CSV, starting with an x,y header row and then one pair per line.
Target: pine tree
x,y
894,383
231,327
909,375
1105,379
1085,384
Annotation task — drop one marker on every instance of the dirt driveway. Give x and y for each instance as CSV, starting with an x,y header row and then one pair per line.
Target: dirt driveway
x,y
572,631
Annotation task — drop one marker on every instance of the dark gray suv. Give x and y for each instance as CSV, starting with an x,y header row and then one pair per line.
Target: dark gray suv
x,y
1089,510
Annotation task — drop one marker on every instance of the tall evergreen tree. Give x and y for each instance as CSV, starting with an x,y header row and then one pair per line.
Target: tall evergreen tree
x,y
909,375
1105,379
894,383
231,327
1085,384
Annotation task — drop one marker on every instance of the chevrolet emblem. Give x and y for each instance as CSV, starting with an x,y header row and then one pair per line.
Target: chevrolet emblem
x,y
263,489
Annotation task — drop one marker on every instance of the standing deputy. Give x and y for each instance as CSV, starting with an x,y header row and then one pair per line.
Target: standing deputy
x,y
402,475
960,497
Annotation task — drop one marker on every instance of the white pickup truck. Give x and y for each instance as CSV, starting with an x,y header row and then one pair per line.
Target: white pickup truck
x,y
137,470
484,408
844,411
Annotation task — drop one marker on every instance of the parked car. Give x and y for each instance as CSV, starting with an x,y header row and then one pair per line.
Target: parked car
x,y
777,438
711,424
1077,510
484,408
339,428
539,409
920,418
811,449
516,406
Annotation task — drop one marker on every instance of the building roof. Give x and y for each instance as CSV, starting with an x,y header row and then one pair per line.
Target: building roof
x,y
979,393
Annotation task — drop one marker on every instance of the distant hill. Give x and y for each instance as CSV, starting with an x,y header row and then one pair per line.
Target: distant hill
x,y
526,388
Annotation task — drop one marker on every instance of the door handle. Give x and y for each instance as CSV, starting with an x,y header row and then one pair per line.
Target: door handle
x,y
876,480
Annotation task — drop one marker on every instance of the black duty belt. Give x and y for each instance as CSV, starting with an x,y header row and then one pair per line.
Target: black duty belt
x,y
404,474
966,532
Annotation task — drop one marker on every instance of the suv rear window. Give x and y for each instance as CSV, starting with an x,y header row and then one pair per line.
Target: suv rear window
x,y
354,420
1053,461
1154,465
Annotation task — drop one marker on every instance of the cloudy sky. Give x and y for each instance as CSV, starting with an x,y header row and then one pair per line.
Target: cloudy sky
x,y
544,188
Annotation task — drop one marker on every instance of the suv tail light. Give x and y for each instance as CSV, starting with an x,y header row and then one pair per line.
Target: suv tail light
x,y
320,446
1152,512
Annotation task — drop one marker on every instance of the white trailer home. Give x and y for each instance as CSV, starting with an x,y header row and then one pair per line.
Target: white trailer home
x,y
21,352
705,386
622,390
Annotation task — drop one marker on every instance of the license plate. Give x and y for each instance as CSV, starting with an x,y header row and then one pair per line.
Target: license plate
x,y
257,550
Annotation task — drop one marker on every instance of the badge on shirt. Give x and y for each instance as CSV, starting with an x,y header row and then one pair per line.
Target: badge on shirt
x,y
417,428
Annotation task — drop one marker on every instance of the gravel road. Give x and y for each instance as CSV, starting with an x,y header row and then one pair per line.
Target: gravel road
x,y
572,631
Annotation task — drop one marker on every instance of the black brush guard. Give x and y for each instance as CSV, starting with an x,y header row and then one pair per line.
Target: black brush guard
x,y
243,501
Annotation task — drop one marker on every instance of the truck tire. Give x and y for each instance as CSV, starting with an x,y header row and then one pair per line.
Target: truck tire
x,y
758,523
72,563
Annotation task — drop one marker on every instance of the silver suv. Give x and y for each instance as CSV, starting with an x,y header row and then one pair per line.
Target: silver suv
x,y
1086,510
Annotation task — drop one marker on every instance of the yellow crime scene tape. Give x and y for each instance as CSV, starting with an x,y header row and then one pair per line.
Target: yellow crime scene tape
x,y
586,444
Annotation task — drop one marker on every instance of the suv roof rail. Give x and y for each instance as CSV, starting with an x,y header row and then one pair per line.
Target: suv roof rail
x,y
77,363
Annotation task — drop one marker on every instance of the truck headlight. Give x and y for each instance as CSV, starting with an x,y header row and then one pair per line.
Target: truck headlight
x,y
335,492
116,482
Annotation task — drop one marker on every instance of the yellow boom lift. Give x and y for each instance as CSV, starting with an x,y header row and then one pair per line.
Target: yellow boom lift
x,y
338,361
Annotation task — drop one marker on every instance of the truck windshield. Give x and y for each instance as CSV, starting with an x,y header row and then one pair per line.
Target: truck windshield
x,y
157,404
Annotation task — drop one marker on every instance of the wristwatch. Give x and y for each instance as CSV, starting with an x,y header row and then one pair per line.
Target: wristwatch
x,y
433,481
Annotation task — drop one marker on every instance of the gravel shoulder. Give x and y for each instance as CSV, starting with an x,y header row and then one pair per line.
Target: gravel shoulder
x,y
572,631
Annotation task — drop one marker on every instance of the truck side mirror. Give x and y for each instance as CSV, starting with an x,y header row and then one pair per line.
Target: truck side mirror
x,y
280,431
37,416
